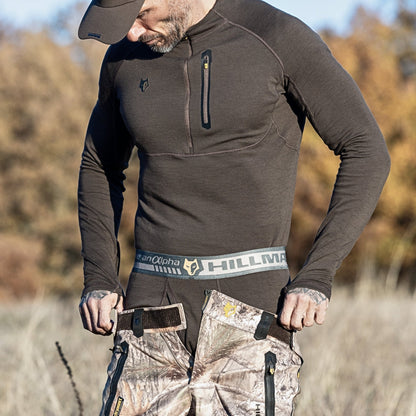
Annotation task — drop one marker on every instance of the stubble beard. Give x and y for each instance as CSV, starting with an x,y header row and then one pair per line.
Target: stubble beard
x,y
176,25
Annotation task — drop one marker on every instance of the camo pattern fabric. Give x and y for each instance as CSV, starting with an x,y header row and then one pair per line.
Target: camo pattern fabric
x,y
232,373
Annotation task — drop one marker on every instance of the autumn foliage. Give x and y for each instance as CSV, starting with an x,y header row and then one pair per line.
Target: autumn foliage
x,y
48,86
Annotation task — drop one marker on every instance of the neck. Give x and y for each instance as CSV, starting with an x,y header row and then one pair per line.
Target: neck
x,y
200,8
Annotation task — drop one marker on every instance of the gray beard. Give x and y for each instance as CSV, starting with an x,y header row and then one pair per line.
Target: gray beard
x,y
166,46
176,29
168,42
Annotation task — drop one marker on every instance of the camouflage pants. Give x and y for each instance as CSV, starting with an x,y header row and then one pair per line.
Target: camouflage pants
x,y
239,369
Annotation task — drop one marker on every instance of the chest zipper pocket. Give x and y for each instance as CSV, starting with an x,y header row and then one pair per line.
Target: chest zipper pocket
x,y
122,350
269,389
206,62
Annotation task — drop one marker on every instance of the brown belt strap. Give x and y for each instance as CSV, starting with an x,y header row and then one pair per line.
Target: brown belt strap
x,y
139,320
268,326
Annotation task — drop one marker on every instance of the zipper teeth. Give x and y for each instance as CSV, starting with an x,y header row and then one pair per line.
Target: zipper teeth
x,y
187,101
206,90
206,61
270,369
123,350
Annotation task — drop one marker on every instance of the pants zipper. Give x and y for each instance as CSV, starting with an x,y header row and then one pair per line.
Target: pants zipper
x,y
123,350
269,389
206,60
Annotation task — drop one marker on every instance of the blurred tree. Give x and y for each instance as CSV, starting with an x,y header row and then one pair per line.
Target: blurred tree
x,y
405,39
46,100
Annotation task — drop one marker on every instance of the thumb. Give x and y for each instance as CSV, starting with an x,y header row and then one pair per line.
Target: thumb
x,y
119,303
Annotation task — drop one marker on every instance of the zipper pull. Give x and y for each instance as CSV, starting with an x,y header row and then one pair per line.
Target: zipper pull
x,y
206,62
271,361
120,349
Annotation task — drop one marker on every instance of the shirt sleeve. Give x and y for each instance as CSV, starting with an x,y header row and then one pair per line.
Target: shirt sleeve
x,y
335,107
106,153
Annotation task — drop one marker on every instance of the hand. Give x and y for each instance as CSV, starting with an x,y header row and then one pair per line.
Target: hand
x,y
302,307
95,309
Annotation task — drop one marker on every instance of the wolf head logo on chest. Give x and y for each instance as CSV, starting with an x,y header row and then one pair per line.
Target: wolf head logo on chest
x,y
144,84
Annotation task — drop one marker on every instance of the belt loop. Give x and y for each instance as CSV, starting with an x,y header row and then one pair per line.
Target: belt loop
x,y
264,325
137,324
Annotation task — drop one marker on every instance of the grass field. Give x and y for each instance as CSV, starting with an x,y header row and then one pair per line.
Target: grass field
x,y
362,362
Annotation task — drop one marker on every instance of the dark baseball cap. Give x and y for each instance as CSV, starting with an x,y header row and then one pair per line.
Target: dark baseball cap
x,y
109,20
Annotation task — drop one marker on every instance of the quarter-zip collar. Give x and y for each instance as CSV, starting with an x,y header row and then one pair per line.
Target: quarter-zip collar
x,y
208,23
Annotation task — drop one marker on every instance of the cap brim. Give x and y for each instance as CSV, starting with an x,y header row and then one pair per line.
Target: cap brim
x,y
108,24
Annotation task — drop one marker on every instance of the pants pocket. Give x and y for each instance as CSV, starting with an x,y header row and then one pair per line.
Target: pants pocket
x,y
115,371
281,379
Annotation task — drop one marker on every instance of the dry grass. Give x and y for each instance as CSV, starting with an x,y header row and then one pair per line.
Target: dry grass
x,y
362,362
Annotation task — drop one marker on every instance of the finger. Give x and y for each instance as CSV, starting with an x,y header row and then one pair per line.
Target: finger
x,y
94,312
112,301
85,316
105,305
299,313
310,315
104,321
288,308
83,319
120,304
320,313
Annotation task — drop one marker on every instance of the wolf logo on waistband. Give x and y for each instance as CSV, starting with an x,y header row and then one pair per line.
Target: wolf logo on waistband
x,y
210,267
192,267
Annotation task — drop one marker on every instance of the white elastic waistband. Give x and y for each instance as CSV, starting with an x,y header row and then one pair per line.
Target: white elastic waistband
x,y
212,267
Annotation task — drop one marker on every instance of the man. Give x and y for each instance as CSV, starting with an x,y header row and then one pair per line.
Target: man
x,y
214,95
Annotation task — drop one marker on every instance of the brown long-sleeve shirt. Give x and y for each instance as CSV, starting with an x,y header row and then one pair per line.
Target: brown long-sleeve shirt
x,y
218,123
